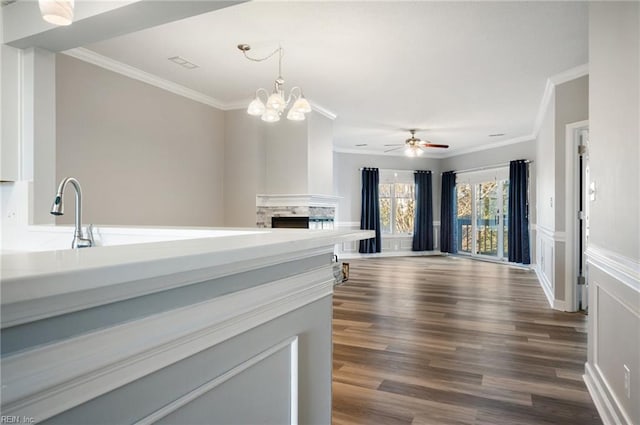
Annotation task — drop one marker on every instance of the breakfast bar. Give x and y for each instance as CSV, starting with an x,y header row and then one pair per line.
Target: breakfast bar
x,y
226,327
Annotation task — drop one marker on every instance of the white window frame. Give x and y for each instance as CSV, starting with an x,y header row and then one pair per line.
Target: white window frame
x,y
392,177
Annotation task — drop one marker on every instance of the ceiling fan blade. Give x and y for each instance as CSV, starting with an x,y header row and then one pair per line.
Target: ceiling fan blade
x,y
433,145
394,149
396,144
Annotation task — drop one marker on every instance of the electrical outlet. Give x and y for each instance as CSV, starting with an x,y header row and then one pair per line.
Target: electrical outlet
x,y
627,381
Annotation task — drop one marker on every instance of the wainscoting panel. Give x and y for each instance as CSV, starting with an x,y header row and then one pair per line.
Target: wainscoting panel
x,y
268,381
614,314
545,262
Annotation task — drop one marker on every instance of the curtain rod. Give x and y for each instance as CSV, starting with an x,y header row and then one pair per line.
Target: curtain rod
x,y
390,169
489,167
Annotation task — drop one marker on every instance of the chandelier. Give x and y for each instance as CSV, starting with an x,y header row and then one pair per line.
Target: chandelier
x,y
271,107
57,12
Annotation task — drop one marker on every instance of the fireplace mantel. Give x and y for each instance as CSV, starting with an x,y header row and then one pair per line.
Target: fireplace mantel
x,y
301,200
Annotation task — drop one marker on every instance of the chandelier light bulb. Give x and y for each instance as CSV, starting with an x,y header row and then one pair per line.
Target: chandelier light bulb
x,y
294,115
256,107
276,102
302,105
270,115
57,12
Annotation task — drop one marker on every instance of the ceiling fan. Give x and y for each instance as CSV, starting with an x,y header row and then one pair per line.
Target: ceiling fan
x,y
414,146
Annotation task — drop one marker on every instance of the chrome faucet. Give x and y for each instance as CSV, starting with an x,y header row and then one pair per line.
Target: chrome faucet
x,y
79,240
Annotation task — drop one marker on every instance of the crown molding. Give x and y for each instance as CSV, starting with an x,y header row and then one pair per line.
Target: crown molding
x,y
97,59
105,62
323,111
552,82
512,141
526,138
379,153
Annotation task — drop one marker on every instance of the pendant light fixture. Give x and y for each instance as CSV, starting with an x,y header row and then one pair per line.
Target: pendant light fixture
x,y
57,12
271,106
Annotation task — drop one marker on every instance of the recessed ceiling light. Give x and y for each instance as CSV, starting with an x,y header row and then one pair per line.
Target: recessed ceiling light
x,y
362,144
496,135
183,62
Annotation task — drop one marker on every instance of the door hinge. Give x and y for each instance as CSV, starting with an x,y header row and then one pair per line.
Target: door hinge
x,y
580,215
581,280
582,149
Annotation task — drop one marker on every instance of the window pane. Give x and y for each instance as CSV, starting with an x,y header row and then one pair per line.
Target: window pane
x,y
487,208
463,230
404,190
405,210
385,215
384,190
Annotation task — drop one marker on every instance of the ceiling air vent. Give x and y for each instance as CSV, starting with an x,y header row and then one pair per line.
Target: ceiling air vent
x,y
183,62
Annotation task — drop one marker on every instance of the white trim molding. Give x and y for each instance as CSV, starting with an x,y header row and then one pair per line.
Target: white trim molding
x,y
132,72
623,269
571,202
598,389
113,65
175,405
547,286
48,380
548,233
614,291
300,200
552,82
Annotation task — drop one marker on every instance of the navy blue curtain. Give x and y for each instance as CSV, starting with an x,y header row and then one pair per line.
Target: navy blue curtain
x,y
518,227
447,213
423,223
370,213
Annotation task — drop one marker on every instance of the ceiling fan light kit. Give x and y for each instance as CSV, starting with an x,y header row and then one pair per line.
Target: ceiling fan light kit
x,y
415,147
271,107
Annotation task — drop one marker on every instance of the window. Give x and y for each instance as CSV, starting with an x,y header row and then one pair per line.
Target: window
x,y
397,203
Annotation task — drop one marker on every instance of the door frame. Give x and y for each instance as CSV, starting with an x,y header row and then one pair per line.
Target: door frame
x,y
572,168
500,257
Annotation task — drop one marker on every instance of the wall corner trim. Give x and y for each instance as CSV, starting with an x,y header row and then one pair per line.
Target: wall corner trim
x,y
552,82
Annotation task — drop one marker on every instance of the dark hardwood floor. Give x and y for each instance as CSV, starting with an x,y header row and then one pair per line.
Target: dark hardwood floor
x,y
445,340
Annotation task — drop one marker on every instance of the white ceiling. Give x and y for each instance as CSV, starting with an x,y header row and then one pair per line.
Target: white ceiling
x,y
459,71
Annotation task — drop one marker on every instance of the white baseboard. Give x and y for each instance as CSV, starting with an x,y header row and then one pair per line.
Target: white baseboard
x,y
348,255
603,398
546,286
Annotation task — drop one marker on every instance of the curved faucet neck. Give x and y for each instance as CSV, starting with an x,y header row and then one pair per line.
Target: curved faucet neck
x,y
78,190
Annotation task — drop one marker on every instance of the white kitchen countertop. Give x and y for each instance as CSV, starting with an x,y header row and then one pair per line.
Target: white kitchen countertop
x,y
32,276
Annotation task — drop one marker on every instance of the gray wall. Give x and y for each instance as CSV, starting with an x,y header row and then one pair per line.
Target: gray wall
x,y
245,167
614,131
614,155
490,157
546,169
572,105
286,156
346,178
569,104
144,156
320,154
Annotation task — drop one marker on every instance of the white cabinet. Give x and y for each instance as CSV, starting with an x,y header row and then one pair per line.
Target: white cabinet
x,y
10,87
